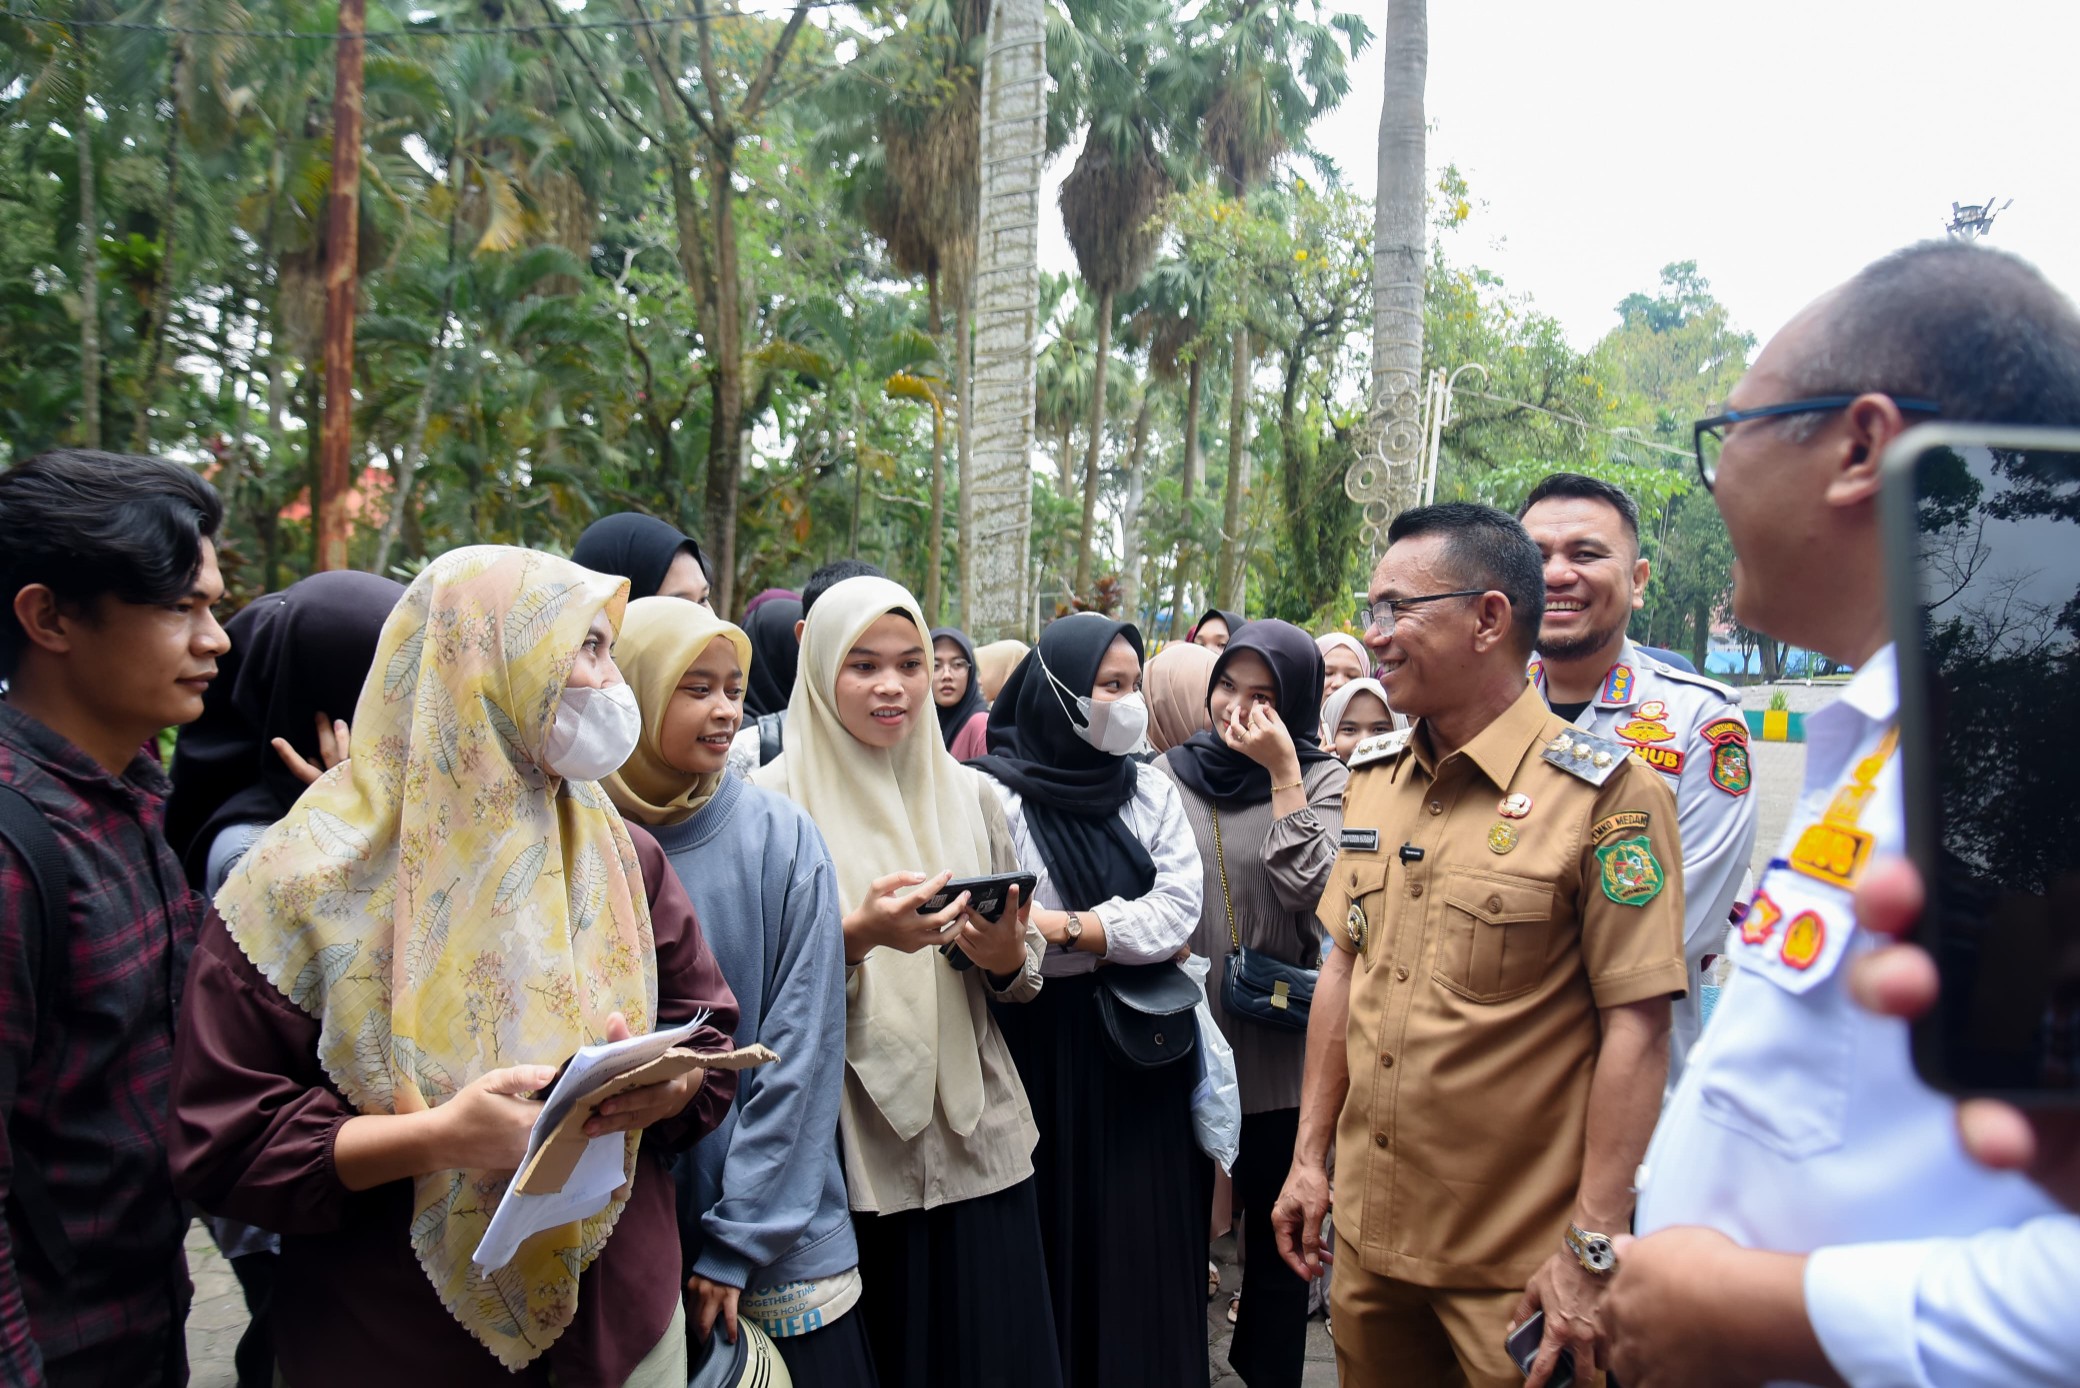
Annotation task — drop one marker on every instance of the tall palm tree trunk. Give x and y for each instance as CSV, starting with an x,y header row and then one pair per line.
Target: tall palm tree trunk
x,y
964,450
1189,486
935,537
162,288
1383,477
1007,310
1130,514
89,265
1086,540
1233,578
436,367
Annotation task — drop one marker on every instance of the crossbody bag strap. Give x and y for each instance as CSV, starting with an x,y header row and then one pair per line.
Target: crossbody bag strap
x,y
1220,857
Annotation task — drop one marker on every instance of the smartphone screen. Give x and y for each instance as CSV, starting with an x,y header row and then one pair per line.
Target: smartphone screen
x,y
1990,737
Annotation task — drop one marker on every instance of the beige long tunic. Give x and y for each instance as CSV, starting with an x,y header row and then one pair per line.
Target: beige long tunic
x,y
1277,870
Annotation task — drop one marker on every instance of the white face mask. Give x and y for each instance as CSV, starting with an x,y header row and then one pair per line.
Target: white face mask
x,y
1114,728
594,732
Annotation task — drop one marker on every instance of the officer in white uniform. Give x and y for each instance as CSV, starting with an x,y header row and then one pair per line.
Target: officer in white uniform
x,y
1685,726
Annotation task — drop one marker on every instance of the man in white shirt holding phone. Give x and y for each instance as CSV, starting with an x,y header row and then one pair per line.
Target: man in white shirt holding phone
x,y
1807,1211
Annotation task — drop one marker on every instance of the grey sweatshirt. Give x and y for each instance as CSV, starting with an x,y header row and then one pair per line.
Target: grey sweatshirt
x,y
762,1198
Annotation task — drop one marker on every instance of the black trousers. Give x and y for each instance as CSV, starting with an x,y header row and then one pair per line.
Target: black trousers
x,y
838,1355
1270,1345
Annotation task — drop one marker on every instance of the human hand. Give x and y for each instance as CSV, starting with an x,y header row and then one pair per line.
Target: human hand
x,y
334,747
998,946
1297,1219
1571,1296
486,1125
1900,980
713,1304
1262,736
1689,1308
651,1103
889,916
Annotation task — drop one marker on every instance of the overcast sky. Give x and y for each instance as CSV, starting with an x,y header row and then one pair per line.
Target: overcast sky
x,y
1779,145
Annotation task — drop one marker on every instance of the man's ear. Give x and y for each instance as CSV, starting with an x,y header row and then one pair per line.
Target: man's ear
x,y
1642,570
1872,423
36,607
798,625
1493,626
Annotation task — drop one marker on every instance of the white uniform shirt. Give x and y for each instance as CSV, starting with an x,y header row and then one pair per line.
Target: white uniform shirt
x,y
1800,1126
1146,929
1689,729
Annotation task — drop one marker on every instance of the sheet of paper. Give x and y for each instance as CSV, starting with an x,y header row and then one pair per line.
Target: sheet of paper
x,y
598,1172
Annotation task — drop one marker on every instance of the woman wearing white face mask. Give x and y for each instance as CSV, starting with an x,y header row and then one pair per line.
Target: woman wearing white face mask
x,y
1123,1188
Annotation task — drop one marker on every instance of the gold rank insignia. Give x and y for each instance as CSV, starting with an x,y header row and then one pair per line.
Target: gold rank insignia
x,y
1833,853
1354,926
1502,838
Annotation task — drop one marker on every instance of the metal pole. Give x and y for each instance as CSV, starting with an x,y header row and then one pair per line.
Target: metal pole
x,y
342,252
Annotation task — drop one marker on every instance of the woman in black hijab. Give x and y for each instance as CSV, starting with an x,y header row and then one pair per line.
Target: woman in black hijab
x,y
1123,1188
297,657
1215,629
1263,798
957,694
775,652
657,559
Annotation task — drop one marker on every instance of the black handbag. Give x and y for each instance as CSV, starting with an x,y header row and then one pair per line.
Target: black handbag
x,y
1254,985
1145,1011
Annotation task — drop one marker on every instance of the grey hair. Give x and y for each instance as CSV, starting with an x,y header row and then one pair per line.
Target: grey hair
x,y
1979,331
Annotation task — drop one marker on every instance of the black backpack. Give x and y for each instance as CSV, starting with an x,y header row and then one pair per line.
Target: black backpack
x,y
43,943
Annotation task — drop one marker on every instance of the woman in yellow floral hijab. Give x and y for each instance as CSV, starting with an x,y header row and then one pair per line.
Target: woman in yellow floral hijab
x,y
441,921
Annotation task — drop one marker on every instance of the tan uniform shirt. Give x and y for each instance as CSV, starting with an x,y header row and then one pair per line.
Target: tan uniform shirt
x,y
1546,889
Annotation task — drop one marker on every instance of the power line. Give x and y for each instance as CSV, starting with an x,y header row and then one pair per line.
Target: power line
x,y
460,31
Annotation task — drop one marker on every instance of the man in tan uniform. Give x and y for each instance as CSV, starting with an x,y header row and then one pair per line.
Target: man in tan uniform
x,y
1489,1038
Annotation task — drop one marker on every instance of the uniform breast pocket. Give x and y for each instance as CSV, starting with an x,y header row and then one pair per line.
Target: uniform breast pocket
x,y
1493,934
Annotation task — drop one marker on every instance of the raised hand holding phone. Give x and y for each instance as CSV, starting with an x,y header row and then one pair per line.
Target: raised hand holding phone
x,y
890,916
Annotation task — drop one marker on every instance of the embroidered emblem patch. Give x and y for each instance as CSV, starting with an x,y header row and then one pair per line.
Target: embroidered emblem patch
x,y
1804,938
1761,921
1617,685
1629,821
1725,730
1536,671
1833,853
1502,838
1654,709
1668,759
1730,770
1631,874
1644,730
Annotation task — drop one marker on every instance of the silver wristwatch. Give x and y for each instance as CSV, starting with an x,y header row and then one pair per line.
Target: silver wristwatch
x,y
1592,1251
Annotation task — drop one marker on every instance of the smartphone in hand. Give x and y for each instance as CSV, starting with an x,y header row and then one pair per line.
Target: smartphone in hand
x,y
1522,1346
987,897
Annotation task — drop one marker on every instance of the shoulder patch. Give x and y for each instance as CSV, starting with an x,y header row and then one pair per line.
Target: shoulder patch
x,y
1385,747
1730,770
1628,821
1631,874
1617,685
1594,759
1725,730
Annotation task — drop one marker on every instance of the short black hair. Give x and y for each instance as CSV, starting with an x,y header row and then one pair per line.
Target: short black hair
x,y
831,575
1578,486
1978,331
88,525
1489,548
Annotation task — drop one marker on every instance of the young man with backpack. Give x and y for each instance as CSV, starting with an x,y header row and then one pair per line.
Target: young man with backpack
x,y
108,575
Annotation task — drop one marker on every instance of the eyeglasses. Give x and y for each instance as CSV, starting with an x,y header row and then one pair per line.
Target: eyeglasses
x,y
955,666
1708,435
1386,611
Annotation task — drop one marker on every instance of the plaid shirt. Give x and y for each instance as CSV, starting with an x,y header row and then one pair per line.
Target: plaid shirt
x,y
92,1098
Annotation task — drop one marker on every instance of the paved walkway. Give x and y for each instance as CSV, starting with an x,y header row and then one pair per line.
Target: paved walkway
x,y
218,1316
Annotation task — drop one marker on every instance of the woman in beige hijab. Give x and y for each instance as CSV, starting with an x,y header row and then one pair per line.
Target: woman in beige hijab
x,y
937,1135
1176,680
994,664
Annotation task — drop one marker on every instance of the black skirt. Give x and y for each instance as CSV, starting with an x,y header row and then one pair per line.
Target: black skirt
x,y
956,1296
1124,1196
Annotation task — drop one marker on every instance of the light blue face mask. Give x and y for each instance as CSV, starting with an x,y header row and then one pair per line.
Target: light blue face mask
x,y
1115,728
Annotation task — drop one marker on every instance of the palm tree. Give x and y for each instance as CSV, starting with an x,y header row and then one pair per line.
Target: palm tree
x,y
998,488
1399,261
1176,307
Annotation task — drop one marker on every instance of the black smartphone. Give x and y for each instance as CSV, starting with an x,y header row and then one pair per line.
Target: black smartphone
x,y
988,895
1523,1343
1982,549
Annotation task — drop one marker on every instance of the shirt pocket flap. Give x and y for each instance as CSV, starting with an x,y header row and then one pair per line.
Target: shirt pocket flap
x,y
1500,900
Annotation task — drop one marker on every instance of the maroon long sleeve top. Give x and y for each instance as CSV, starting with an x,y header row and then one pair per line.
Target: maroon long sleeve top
x,y
254,1120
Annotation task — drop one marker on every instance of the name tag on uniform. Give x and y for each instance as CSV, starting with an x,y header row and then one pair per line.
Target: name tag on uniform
x,y
1833,853
1359,840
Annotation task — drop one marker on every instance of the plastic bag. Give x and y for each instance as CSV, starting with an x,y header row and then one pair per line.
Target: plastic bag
x,y
1217,1098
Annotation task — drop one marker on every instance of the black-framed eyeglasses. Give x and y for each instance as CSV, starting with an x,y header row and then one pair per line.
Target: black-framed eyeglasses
x,y
1708,436
1385,612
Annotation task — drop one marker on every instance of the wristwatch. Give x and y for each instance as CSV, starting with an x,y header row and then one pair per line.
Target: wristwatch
x,y
1592,1251
1073,931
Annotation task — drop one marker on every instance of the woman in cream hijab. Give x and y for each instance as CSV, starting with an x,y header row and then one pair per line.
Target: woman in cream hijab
x,y
937,1134
396,964
1176,680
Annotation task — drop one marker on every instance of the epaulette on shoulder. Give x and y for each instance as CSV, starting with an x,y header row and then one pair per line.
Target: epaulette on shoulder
x,y
1701,681
1594,759
1383,748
